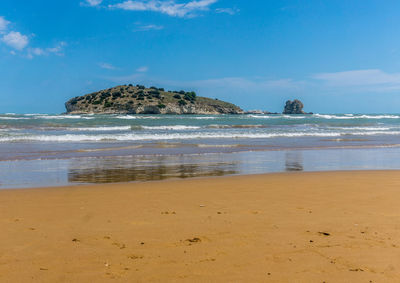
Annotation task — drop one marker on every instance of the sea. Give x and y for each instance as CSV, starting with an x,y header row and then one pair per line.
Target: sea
x,y
40,150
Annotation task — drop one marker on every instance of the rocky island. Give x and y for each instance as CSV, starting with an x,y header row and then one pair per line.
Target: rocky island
x,y
294,107
130,99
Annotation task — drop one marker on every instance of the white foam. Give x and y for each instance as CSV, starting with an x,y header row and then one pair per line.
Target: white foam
x,y
351,116
293,117
127,117
204,118
175,127
130,117
363,128
378,117
101,129
35,114
13,118
277,116
182,136
59,117
263,116
326,116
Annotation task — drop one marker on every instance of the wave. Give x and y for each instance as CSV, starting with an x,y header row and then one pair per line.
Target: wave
x,y
351,116
174,127
102,129
36,114
277,116
363,128
13,118
130,117
204,118
263,116
59,117
294,117
181,136
378,117
235,126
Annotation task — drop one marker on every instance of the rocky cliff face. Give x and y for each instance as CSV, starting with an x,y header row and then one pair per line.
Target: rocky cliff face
x,y
129,99
294,107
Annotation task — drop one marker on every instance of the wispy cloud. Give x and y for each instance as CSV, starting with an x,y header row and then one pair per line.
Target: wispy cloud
x,y
230,11
91,3
228,84
3,24
141,27
142,69
363,80
169,7
133,78
249,84
15,39
57,50
107,66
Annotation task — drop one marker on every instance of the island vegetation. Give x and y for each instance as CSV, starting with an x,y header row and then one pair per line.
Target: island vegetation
x,y
138,99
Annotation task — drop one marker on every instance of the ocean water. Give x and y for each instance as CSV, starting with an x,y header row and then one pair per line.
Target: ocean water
x,y
36,144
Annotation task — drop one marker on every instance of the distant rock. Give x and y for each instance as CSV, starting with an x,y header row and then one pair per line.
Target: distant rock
x,y
129,99
294,107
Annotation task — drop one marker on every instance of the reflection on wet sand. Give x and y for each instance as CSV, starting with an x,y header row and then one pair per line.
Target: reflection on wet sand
x,y
63,172
123,169
294,161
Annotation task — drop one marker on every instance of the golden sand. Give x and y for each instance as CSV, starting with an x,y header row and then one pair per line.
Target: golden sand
x,y
297,227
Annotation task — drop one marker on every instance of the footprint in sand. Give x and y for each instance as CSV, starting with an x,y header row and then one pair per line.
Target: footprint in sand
x,y
119,245
134,257
193,241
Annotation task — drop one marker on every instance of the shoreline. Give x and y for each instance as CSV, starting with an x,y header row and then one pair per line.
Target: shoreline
x,y
239,148
145,168
196,179
309,227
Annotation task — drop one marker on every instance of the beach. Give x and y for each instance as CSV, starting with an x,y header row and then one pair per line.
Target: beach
x,y
284,227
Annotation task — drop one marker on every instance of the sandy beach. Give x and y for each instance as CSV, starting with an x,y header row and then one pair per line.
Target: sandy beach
x,y
289,227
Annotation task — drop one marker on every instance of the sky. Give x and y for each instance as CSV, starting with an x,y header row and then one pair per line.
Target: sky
x,y
337,56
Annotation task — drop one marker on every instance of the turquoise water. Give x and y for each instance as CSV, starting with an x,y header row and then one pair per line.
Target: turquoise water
x,y
45,149
136,128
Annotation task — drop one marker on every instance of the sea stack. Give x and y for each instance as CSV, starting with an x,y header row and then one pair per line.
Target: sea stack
x,y
294,107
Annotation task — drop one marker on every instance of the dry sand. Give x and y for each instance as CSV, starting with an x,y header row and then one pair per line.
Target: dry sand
x,y
298,227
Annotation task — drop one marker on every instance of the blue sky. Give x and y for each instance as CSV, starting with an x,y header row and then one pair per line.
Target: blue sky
x,y
336,56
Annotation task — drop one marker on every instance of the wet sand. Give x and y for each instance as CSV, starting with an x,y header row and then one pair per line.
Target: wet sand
x,y
288,227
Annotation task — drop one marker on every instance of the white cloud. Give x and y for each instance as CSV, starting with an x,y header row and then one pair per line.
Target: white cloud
x,y
92,3
107,66
143,69
3,24
19,42
169,7
15,40
58,50
365,80
230,11
37,51
148,27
